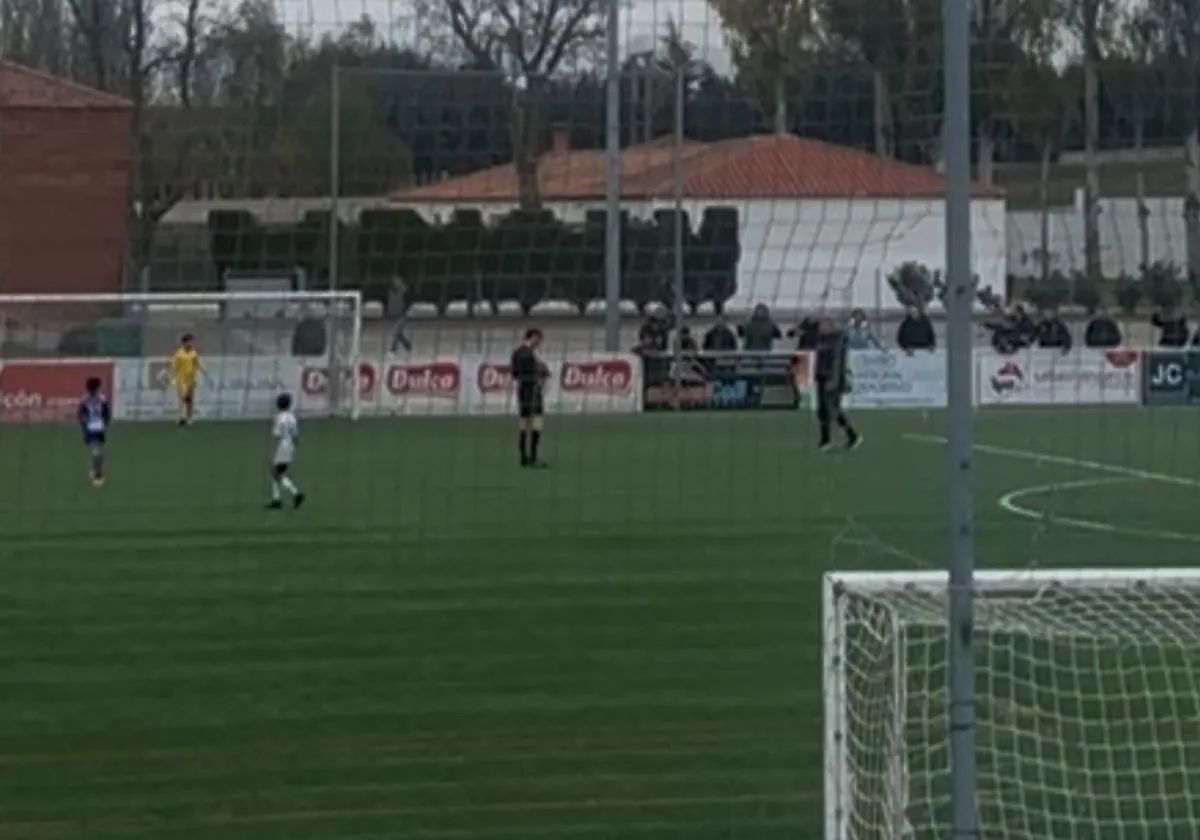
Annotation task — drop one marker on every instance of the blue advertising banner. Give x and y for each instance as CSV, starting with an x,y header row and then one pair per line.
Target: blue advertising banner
x,y
1171,377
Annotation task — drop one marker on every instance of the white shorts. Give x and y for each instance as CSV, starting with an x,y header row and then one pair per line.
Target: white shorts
x,y
283,456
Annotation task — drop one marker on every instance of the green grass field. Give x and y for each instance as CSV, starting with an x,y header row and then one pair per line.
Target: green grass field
x,y
443,646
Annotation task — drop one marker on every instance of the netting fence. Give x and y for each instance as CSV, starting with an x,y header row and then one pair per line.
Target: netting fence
x,y
366,205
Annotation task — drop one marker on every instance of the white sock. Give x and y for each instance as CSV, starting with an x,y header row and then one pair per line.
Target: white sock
x,y
289,485
275,491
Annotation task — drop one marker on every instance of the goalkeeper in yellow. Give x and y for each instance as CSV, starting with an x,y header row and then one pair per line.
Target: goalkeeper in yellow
x,y
185,370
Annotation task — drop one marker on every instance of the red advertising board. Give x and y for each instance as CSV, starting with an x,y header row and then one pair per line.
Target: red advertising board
x,y
49,391
315,385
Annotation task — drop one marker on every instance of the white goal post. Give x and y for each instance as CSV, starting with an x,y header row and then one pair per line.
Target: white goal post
x,y
1087,704
252,343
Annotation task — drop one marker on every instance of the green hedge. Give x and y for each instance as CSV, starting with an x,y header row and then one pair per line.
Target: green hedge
x,y
525,258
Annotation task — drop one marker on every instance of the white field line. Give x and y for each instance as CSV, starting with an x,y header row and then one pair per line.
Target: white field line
x,y
1062,460
1008,502
1116,473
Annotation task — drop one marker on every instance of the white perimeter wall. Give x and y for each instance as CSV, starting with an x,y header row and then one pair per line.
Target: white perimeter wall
x,y
1120,248
813,254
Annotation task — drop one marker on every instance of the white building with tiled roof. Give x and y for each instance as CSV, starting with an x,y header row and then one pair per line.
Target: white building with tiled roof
x,y
821,226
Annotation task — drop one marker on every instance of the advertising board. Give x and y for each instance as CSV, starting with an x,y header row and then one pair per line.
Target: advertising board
x,y
48,391
893,379
1171,377
727,382
1050,377
581,383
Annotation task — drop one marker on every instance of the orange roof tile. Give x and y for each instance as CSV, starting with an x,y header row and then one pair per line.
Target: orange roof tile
x,y
765,166
24,87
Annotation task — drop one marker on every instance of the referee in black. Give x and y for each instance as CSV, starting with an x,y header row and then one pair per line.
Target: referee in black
x,y
529,374
833,381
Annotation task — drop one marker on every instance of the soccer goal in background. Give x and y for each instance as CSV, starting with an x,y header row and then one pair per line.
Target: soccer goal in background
x,y
1088,696
253,345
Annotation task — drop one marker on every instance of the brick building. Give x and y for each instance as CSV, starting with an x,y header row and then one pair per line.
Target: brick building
x,y
64,185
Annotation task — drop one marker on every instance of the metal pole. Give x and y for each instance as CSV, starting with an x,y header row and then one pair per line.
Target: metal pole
x,y
959,302
335,174
677,181
612,183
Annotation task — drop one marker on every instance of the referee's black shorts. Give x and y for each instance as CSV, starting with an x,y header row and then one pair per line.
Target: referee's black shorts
x,y
529,400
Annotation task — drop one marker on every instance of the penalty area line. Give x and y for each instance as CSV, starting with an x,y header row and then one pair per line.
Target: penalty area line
x,y
1063,460
1008,503
1115,472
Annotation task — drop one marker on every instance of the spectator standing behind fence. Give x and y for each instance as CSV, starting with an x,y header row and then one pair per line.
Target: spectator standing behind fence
x,y
760,332
720,338
1173,328
1102,331
687,344
916,332
859,335
397,306
655,333
807,333
1052,333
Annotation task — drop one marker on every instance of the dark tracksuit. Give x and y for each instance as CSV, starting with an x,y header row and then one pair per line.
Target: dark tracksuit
x,y
833,380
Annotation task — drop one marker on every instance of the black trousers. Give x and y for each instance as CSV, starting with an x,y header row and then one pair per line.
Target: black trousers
x,y
829,407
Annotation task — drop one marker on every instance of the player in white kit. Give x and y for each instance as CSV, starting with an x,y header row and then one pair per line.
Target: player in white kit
x,y
285,434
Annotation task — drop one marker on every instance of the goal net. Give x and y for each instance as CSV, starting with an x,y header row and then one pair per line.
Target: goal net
x,y
1087,697
253,346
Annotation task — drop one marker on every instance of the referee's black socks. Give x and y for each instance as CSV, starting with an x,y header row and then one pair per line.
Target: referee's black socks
x,y
535,437
523,443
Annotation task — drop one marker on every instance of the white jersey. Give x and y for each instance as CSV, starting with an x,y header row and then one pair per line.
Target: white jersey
x,y
286,433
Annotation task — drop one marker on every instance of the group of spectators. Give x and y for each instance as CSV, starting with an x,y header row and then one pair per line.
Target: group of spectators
x,y
1015,329
1012,329
760,333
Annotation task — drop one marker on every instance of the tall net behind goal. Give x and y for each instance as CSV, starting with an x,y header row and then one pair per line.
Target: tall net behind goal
x,y
1086,686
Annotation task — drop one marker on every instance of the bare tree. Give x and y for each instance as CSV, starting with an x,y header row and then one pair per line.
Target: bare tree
x,y
34,33
149,54
530,40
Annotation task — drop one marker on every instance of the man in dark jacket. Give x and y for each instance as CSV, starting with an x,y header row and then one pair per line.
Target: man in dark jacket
x,y
1102,331
1052,333
807,333
916,332
687,344
1174,326
720,338
760,332
833,381
655,333
1012,330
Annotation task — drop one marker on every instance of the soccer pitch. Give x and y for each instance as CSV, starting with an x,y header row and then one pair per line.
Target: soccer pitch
x,y
444,646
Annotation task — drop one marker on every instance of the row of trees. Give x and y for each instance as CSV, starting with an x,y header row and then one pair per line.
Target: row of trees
x,y
525,258
230,102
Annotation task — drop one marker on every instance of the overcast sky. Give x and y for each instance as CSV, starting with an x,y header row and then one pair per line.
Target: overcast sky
x,y
643,21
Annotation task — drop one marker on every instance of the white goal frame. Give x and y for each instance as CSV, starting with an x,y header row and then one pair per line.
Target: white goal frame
x,y
1033,584
350,302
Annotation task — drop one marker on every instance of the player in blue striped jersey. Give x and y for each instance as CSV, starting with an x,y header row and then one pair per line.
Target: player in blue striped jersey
x,y
94,418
